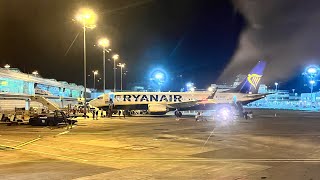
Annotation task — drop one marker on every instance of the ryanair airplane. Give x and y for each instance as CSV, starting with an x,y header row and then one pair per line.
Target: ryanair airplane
x,y
153,102
162,102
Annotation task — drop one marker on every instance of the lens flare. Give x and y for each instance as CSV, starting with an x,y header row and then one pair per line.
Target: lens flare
x,y
225,115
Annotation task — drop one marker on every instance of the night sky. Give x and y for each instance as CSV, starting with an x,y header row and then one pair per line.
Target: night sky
x,y
192,38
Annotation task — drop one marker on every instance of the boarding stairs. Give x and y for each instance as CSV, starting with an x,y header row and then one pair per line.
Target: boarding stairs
x,y
50,105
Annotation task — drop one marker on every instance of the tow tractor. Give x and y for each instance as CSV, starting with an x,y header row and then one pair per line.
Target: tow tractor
x,y
51,119
19,116
4,118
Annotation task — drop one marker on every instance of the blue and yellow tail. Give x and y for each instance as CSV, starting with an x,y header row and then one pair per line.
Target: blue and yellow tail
x,y
251,83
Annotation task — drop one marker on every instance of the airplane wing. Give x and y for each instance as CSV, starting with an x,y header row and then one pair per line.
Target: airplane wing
x,y
190,103
257,95
254,97
184,104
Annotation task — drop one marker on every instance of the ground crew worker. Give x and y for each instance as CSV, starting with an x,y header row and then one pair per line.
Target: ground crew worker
x,y
124,113
246,115
177,114
197,117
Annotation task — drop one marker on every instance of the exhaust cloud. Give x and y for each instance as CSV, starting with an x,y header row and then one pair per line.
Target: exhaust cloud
x,y
284,33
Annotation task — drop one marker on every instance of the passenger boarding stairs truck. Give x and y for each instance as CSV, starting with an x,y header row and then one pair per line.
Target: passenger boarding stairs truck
x,y
50,105
52,117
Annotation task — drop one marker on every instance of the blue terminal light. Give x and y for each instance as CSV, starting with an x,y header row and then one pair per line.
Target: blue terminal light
x,y
312,70
158,78
189,84
159,75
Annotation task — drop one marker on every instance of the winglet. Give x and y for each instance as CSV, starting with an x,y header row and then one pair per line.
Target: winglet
x,y
212,94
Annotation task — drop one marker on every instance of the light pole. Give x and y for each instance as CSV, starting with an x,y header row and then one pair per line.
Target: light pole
x,y
276,84
88,19
114,57
312,82
121,65
104,43
94,78
312,73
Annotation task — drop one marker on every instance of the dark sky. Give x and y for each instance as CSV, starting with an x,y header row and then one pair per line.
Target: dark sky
x,y
195,38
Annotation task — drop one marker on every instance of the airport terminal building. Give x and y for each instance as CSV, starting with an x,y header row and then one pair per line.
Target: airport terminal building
x,y
14,82
283,99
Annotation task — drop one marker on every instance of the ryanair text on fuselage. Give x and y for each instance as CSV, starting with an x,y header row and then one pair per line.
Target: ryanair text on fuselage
x,y
149,98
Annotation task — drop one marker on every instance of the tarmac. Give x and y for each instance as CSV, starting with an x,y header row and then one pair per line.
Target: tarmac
x,y
272,145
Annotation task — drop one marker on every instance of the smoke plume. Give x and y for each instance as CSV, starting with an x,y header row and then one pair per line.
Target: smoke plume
x,y
284,33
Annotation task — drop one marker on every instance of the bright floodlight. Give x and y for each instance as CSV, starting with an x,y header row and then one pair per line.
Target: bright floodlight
x,y
312,70
192,89
95,72
158,75
115,57
35,73
276,83
121,65
210,89
104,42
7,66
87,17
312,82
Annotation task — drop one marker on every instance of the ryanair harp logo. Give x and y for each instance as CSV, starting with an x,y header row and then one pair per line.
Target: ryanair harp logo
x,y
254,79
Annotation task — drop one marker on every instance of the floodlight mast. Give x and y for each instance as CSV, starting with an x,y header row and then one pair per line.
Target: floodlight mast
x,y
87,18
114,57
121,65
94,78
104,43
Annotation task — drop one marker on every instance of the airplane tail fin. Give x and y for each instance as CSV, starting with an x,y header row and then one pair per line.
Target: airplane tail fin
x,y
251,83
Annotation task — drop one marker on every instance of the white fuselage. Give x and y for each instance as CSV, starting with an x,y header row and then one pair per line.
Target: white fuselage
x,y
139,98
168,99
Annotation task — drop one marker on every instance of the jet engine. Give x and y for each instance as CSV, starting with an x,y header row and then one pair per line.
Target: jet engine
x,y
157,109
